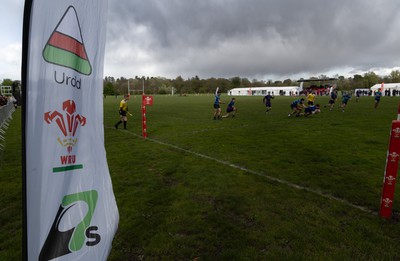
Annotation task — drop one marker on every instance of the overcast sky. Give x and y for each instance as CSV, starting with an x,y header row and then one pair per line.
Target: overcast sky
x,y
254,39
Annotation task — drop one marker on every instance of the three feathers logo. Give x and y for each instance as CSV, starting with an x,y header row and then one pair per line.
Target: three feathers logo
x,y
65,46
68,125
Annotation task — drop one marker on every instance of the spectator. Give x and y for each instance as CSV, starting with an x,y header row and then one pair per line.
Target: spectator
x,y
3,100
14,101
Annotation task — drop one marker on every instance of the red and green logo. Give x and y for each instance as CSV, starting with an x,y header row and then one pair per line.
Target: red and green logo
x,y
65,46
67,122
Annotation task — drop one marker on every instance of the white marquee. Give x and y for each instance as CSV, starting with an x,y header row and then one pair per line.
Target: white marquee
x,y
261,91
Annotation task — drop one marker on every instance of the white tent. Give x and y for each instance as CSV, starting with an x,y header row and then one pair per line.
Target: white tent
x,y
262,91
387,87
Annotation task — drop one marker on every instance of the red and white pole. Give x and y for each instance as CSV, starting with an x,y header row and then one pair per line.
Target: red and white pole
x,y
144,121
146,101
392,164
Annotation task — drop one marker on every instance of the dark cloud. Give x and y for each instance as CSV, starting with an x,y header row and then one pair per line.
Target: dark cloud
x,y
253,39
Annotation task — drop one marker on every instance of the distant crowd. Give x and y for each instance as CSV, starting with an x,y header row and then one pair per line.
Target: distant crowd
x,y
5,100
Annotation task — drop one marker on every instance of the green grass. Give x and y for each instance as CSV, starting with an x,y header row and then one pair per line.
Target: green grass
x,y
205,189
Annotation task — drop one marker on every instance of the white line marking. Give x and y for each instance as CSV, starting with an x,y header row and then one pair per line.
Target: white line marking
x,y
281,181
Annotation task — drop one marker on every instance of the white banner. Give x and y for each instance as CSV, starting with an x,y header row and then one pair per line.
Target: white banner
x,y
71,213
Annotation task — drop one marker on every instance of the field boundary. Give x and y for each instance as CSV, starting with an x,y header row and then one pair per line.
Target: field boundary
x,y
274,179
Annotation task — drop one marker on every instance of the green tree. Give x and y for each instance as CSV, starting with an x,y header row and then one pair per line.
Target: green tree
x,y
257,83
370,78
7,82
108,89
342,83
195,84
224,84
236,81
287,82
246,82
357,82
395,76
179,85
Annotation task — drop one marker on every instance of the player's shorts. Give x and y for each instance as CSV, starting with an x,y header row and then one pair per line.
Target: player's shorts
x,y
216,106
268,104
308,110
310,103
331,101
229,109
293,106
344,102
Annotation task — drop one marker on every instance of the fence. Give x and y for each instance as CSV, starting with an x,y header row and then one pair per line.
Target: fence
x,y
5,117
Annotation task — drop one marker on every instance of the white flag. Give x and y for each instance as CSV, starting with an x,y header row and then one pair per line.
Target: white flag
x,y
70,208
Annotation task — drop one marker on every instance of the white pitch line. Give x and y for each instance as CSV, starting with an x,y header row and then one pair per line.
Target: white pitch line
x,y
281,181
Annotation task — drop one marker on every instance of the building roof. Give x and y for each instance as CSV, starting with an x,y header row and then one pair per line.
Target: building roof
x,y
386,86
317,80
265,88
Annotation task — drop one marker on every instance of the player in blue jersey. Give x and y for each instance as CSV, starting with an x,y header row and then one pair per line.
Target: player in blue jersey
x,y
358,94
345,99
296,107
332,100
313,109
231,109
377,98
267,101
217,107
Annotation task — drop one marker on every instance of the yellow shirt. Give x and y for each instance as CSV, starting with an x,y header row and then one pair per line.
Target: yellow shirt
x,y
123,105
311,97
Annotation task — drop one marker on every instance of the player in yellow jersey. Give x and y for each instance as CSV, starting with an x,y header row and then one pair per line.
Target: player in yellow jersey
x,y
311,98
123,110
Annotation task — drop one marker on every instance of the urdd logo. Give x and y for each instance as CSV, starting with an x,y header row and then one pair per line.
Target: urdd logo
x,y
65,46
64,239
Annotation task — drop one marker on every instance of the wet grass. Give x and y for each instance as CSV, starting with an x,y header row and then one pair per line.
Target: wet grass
x,y
204,189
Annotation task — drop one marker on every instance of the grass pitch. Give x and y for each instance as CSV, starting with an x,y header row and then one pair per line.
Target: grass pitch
x,y
255,187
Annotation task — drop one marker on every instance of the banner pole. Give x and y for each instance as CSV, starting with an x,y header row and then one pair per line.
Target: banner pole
x,y
24,70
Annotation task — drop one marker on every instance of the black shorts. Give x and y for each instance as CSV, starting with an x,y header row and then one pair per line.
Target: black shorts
x,y
216,106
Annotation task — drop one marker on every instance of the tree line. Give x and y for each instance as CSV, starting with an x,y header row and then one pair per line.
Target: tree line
x,y
180,86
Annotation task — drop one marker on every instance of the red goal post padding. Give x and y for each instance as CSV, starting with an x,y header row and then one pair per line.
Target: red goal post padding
x,y
392,163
